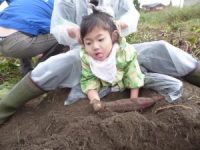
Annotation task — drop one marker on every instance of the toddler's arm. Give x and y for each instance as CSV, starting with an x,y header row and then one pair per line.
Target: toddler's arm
x,y
94,99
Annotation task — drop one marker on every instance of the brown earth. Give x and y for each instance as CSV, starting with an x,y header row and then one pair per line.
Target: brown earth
x,y
46,124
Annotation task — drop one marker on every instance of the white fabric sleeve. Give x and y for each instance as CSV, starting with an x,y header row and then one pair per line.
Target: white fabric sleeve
x,y
131,17
60,23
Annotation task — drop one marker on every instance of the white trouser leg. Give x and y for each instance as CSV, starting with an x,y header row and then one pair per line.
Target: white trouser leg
x,y
167,86
162,57
58,71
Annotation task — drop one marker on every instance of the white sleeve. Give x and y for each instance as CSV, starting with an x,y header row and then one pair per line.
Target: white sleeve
x,y
60,22
130,17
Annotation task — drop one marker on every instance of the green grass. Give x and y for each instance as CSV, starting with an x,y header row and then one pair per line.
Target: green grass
x,y
170,15
8,70
9,74
180,27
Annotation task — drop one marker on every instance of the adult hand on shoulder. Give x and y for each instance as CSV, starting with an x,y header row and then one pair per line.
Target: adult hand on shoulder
x,y
120,26
74,32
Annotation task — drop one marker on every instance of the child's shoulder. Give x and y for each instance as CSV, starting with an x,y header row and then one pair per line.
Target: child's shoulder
x,y
84,56
82,52
126,48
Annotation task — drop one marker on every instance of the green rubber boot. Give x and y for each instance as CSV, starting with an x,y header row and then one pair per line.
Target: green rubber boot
x,y
21,93
194,76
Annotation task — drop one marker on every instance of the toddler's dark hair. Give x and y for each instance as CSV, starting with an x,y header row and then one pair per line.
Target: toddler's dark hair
x,y
96,19
94,2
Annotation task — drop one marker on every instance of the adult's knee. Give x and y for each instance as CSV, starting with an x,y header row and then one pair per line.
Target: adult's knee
x,y
5,52
62,70
59,63
72,57
162,43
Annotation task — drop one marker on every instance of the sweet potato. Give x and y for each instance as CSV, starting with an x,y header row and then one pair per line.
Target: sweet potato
x,y
125,105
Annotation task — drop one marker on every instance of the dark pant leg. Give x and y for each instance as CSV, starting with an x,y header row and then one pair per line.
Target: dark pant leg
x,y
19,45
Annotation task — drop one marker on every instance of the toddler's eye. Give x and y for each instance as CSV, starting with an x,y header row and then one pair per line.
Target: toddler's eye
x,y
87,43
101,39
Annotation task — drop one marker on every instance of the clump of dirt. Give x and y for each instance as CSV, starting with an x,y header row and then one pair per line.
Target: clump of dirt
x,y
45,123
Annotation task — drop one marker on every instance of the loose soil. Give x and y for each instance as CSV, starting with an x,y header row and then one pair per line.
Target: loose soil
x,y
46,124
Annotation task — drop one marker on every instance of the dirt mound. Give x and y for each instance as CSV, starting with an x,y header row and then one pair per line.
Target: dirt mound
x,y
45,123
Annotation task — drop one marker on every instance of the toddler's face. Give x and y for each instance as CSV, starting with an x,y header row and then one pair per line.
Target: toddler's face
x,y
98,43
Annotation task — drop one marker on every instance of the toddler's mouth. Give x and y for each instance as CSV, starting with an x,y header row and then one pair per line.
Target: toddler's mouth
x,y
99,55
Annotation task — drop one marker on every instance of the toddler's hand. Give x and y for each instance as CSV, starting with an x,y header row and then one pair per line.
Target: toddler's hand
x,y
96,104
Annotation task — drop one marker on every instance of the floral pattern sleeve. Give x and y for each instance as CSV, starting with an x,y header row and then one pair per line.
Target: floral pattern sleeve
x,y
133,77
88,80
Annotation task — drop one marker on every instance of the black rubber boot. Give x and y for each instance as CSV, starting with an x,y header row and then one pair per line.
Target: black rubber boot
x,y
21,93
194,76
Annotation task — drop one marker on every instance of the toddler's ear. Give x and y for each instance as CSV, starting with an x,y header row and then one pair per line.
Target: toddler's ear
x,y
115,36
